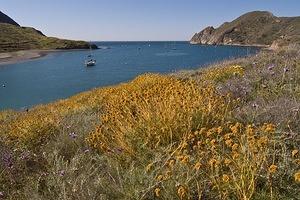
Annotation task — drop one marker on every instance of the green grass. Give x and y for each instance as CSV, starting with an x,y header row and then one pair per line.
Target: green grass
x,y
13,38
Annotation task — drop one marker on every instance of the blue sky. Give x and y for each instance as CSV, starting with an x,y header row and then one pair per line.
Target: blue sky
x,y
127,20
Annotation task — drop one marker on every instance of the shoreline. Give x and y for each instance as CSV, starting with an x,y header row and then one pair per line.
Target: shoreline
x,y
8,58
238,45
21,56
173,73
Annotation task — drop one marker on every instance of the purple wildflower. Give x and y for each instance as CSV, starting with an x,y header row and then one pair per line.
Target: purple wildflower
x,y
61,173
118,150
271,67
7,160
1,195
73,135
24,156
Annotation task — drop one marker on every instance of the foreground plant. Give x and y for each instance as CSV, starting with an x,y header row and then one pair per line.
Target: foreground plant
x,y
205,136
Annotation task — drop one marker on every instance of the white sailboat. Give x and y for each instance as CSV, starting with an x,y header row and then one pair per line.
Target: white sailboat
x,y
90,61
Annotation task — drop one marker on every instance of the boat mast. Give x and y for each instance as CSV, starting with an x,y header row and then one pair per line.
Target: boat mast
x,y
90,49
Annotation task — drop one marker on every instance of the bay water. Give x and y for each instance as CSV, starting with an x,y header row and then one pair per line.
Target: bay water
x,y
63,74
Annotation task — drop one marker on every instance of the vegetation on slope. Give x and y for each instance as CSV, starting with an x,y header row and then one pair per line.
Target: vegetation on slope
x,y
253,28
13,38
230,131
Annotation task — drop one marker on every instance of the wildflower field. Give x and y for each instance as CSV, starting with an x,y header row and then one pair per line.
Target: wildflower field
x,y
226,131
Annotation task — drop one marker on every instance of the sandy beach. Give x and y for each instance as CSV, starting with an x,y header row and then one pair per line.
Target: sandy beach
x,y
25,55
20,56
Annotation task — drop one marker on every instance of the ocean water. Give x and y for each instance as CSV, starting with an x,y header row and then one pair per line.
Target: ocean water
x,y
63,74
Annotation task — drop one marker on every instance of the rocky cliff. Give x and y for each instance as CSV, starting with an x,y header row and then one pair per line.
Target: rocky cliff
x,y
253,28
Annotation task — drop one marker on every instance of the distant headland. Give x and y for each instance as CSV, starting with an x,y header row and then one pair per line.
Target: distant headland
x,y
257,28
14,37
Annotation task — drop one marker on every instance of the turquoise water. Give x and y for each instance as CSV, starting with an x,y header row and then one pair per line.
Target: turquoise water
x,y
62,74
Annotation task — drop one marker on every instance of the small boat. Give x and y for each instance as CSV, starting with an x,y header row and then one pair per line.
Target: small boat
x,y
174,46
89,62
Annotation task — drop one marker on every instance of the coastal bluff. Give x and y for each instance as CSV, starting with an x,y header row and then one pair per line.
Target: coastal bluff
x,y
257,28
14,37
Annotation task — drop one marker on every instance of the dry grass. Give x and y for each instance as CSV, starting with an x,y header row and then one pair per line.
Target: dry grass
x,y
230,131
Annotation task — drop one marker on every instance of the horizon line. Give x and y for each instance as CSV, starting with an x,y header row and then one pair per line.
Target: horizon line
x,y
138,40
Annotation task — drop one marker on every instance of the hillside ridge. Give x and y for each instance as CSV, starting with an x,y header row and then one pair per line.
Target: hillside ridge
x,y
6,19
259,28
14,37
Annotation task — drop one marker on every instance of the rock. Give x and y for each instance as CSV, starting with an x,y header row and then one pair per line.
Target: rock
x,y
204,36
93,46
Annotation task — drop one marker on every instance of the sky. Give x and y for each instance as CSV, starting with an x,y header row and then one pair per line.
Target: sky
x,y
135,20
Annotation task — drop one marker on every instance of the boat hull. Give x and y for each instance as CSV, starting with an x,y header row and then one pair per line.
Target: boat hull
x,y
90,63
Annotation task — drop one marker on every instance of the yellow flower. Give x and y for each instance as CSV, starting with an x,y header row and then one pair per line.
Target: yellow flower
x,y
213,162
209,132
297,177
250,130
235,129
159,177
228,142
185,159
297,161
149,167
227,136
179,157
219,130
235,155
184,145
197,166
171,163
295,152
227,161
213,142
181,192
199,143
225,178
270,128
272,169
168,175
202,130
235,147
263,141
157,192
